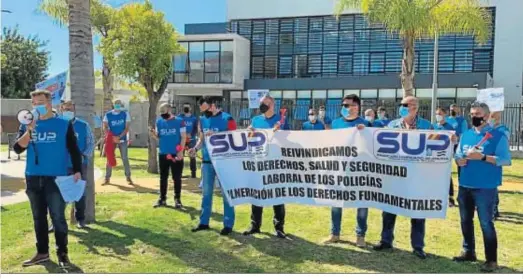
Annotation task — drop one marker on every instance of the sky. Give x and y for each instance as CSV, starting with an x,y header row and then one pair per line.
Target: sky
x,y
32,22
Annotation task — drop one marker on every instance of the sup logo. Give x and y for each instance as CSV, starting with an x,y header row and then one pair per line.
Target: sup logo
x,y
411,146
238,144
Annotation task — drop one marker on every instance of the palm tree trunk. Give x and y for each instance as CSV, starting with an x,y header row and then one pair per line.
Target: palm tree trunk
x,y
82,79
407,67
108,83
152,164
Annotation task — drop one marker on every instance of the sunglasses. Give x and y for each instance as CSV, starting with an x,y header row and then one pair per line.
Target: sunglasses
x,y
347,105
311,114
405,105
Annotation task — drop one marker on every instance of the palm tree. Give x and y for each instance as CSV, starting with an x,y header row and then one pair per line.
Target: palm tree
x,y
100,14
81,74
416,19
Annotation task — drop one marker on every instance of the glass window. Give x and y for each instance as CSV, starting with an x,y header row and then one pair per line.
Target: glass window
x,y
424,92
300,43
288,94
212,77
346,41
330,42
304,94
236,94
245,27
196,62
482,61
314,64
271,44
226,62
275,94
345,64
446,93
425,62
377,62
463,60
319,94
212,62
301,24
387,93
285,66
446,61
258,26
181,63
330,64
467,93
286,25
399,93
300,66
346,22
393,62
245,94
181,77
351,92
315,42
272,25
258,44
257,64
315,24
360,63
330,23
335,94
271,66
212,46
369,93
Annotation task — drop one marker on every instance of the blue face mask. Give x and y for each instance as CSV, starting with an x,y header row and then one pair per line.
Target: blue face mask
x,y
117,106
404,111
345,112
41,109
67,115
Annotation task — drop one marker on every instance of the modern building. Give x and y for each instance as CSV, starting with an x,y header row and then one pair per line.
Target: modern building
x,y
304,56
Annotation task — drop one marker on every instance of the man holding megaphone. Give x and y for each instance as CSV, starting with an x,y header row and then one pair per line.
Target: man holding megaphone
x,y
50,142
170,132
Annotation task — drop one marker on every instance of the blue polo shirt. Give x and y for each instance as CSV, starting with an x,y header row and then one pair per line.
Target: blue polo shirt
x,y
169,134
444,127
262,122
342,123
313,126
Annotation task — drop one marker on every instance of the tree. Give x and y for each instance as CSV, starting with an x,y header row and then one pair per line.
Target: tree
x,y
100,14
81,75
140,46
24,63
415,19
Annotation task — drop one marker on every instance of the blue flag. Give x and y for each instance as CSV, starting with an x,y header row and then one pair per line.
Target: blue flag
x,y
56,85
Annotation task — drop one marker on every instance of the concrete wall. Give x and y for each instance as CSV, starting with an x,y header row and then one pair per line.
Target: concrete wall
x,y
138,131
508,41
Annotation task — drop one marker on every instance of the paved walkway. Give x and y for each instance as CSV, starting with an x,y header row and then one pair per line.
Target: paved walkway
x,y
13,178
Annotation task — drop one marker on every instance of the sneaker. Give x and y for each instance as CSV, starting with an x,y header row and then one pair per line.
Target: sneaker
x,y
37,259
178,203
81,225
281,234
63,260
107,181
332,239
226,231
419,253
193,174
360,241
129,181
159,203
50,229
251,231
382,246
489,266
452,202
465,257
201,228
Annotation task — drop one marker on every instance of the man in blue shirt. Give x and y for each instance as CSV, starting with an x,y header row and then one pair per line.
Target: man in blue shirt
x,y
85,141
382,120
460,125
51,143
409,121
313,123
370,116
323,118
481,153
118,121
268,119
495,122
191,128
171,133
350,110
213,120
443,124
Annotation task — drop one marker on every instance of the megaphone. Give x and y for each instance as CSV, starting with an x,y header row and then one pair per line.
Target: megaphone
x,y
25,117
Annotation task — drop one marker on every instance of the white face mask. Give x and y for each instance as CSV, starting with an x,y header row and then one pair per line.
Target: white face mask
x,y
312,118
369,118
439,118
321,113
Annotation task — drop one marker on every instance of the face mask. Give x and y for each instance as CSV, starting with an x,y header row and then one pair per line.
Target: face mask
x,y
321,114
67,115
186,110
117,107
492,122
369,118
477,121
41,109
404,111
439,118
345,112
312,118
165,115
382,116
207,113
264,108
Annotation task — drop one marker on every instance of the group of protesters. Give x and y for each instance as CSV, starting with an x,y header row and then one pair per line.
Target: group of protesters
x,y
479,168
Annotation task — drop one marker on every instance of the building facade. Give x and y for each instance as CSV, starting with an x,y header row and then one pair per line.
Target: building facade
x,y
305,57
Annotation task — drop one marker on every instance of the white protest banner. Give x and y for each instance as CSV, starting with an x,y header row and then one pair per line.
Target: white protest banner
x,y
493,97
255,96
401,172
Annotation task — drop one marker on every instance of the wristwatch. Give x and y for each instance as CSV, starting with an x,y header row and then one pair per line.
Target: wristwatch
x,y
484,158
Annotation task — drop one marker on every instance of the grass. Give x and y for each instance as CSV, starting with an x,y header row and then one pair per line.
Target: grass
x,y
132,237
3,148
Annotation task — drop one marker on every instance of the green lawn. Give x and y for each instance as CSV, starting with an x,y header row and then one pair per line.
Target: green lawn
x,y
132,237
3,148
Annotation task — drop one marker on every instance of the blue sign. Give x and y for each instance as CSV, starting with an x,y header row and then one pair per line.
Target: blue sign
x,y
56,85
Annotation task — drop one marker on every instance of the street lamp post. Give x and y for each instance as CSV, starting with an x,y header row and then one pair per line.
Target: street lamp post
x,y
434,81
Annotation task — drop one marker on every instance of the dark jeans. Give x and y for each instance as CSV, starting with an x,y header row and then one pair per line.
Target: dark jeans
x,y
496,204
417,230
43,194
483,201
192,165
451,190
176,173
278,221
